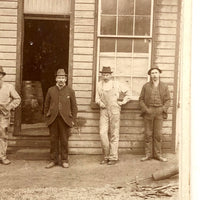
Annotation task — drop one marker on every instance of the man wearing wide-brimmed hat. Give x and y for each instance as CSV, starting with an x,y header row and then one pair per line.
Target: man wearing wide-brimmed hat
x,y
110,96
9,99
60,111
154,102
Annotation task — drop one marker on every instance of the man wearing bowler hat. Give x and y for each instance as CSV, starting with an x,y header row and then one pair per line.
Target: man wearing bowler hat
x,y
60,110
9,100
154,101
110,96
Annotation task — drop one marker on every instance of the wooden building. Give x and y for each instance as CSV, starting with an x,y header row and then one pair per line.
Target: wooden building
x,y
38,36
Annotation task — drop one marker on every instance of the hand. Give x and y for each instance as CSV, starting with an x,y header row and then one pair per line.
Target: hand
x,y
102,105
120,103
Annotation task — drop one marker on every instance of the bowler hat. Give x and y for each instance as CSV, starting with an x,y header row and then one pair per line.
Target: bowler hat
x,y
61,72
149,72
1,71
106,70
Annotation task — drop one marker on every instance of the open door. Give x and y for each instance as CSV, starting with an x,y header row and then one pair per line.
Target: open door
x,y
45,49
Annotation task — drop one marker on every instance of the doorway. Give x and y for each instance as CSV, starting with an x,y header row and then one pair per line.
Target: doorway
x,y
45,49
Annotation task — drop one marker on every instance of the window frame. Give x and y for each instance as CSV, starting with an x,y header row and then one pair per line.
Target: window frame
x,y
134,104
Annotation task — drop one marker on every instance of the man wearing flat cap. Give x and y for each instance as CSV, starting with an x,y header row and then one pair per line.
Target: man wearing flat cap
x,y
154,101
60,110
9,100
110,96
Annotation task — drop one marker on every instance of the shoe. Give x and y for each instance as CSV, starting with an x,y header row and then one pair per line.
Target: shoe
x,y
5,161
162,159
50,165
104,162
112,162
145,158
65,165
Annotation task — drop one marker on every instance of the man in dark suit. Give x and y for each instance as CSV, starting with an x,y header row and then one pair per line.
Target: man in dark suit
x,y
60,111
154,102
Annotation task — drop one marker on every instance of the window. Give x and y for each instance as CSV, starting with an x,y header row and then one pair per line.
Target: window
x,y
124,40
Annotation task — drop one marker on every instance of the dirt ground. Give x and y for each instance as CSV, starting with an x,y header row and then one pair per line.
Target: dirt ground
x,y
85,179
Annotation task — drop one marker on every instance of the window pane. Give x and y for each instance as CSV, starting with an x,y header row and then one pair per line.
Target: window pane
x,y
125,80
107,45
125,26
142,25
108,25
109,6
124,45
140,66
141,46
125,7
124,66
107,61
137,84
143,7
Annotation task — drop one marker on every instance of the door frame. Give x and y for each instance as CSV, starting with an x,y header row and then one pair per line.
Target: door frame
x,y
19,58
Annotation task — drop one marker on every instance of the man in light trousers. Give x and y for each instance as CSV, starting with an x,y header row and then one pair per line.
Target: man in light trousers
x,y
9,99
110,96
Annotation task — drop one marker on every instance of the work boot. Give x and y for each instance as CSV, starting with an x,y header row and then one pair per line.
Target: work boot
x,y
105,161
145,158
162,159
50,165
65,165
112,162
5,161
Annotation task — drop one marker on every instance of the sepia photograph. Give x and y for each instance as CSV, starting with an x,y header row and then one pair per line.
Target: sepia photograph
x,y
95,99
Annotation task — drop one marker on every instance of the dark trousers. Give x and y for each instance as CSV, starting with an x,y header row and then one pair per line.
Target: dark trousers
x,y
153,123
59,134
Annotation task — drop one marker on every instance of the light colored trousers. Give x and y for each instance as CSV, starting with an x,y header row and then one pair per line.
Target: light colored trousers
x,y
110,122
4,123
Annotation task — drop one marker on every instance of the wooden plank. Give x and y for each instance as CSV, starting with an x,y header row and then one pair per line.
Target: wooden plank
x,y
165,38
83,43
83,93
84,14
7,48
167,30
8,41
83,51
8,12
167,80
8,34
9,63
82,80
10,19
85,1
83,87
84,29
166,23
10,70
6,56
81,21
165,45
10,78
165,52
84,36
82,73
83,101
166,66
84,7
8,4
8,27
167,2
168,16
81,58
82,65
167,8
160,59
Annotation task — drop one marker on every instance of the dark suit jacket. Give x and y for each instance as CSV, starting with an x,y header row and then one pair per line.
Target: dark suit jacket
x,y
146,94
60,101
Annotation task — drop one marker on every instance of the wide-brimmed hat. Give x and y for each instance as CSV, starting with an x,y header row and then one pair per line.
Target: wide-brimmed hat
x,y
106,70
61,72
2,71
149,72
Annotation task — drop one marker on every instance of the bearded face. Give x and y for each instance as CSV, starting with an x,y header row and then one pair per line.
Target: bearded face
x,y
61,80
155,75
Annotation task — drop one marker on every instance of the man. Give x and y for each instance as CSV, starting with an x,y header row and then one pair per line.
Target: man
x,y
9,99
154,102
108,97
61,111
